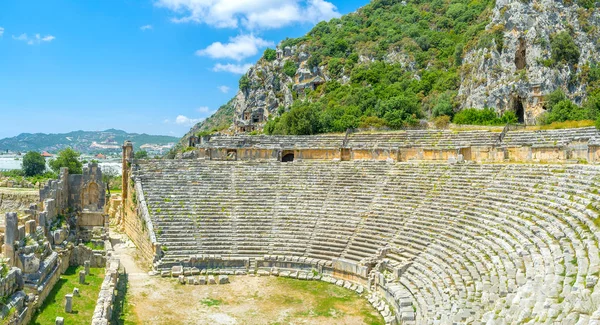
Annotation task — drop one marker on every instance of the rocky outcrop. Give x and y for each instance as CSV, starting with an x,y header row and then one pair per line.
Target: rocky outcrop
x,y
516,71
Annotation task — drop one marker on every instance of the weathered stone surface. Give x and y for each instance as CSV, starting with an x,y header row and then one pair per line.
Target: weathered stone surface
x,y
211,279
223,279
68,303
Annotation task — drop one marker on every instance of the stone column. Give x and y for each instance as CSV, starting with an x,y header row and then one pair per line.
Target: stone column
x,y
69,303
86,265
11,233
82,277
127,155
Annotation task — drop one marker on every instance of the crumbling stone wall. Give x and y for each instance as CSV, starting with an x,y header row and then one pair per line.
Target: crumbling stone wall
x,y
136,221
106,297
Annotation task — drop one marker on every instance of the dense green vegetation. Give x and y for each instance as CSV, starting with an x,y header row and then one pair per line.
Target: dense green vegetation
x,y
141,154
270,54
564,48
18,176
83,306
486,116
402,61
33,164
433,34
68,158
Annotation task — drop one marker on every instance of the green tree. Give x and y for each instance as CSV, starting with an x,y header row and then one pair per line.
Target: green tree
x,y
564,48
289,68
142,154
566,110
244,83
270,54
33,164
67,158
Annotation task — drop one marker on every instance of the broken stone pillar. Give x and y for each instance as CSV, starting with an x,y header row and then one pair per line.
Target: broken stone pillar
x,y
82,277
76,292
59,321
21,232
86,265
11,232
30,227
69,303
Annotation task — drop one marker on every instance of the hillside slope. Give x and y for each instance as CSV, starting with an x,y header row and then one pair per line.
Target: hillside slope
x,y
82,141
392,63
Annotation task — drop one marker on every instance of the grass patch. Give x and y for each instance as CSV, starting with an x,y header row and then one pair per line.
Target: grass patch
x,y
94,246
123,313
83,306
328,300
211,302
565,125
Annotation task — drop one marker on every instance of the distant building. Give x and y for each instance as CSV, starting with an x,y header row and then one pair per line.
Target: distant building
x,y
45,154
100,156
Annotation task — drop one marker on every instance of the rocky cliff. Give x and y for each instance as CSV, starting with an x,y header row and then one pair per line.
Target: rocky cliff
x,y
467,54
516,71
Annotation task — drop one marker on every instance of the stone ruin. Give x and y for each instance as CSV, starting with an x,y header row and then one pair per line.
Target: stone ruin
x,y
43,242
425,241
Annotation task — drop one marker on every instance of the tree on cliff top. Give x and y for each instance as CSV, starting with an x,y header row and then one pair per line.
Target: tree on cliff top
x,y
67,158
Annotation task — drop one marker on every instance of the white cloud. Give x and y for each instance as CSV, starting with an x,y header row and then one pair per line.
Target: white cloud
x,y
259,14
37,39
146,27
1,31
233,68
203,109
184,120
238,48
224,89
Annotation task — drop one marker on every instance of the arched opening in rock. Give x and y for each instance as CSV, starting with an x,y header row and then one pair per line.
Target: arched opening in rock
x,y
520,60
288,157
519,109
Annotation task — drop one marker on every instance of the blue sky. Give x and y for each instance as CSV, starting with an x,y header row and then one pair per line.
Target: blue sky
x,y
154,66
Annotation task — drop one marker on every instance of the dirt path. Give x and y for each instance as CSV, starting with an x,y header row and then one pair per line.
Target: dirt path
x,y
246,300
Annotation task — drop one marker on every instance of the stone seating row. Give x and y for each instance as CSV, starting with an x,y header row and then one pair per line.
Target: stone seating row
x,y
474,241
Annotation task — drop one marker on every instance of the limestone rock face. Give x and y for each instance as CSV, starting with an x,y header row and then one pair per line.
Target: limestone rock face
x,y
514,75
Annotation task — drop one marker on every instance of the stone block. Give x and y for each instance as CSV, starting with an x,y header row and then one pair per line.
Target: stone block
x,y
75,292
182,279
59,321
30,227
86,266
176,271
223,279
82,277
211,279
202,280
69,303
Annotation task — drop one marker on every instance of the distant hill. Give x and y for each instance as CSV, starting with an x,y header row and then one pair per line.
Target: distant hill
x,y
86,141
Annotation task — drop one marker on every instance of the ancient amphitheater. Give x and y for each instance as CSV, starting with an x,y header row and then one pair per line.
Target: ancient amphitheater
x,y
434,227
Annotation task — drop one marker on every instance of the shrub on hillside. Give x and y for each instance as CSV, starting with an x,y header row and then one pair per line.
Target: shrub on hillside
x,y
565,110
290,68
270,54
441,122
486,116
564,48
